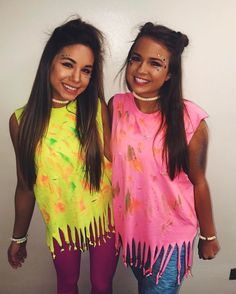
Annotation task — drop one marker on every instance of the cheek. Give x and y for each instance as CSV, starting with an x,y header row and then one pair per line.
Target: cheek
x,y
129,73
53,74
85,82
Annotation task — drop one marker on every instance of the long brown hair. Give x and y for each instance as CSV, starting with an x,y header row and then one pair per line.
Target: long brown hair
x,y
171,101
36,114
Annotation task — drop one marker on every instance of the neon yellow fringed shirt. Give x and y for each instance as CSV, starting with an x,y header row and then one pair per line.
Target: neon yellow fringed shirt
x,y
61,192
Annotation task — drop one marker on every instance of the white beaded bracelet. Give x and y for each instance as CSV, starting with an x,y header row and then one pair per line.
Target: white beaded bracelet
x,y
20,240
207,238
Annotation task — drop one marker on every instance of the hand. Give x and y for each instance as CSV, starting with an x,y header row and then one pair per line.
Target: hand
x,y
208,249
17,254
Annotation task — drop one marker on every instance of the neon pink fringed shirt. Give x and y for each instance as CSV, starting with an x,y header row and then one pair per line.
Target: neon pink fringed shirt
x,y
150,210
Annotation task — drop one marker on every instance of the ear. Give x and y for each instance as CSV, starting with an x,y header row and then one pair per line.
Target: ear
x,y
168,77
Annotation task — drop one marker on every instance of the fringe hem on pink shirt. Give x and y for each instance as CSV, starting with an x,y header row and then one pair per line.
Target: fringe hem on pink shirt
x,y
149,256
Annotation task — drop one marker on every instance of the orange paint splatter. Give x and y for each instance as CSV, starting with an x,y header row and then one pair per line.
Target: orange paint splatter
x,y
130,178
46,216
44,180
131,204
156,151
60,207
71,116
142,121
82,205
137,165
85,185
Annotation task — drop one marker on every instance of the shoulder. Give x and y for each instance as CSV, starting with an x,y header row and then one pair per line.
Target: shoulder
x,y
18,113
194,115
192,109
13,122
119,98
13,128
122,96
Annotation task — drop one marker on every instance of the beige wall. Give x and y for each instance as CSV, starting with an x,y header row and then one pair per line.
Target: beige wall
x,y
209,80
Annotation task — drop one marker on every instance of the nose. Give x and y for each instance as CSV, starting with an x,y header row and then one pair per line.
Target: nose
x,y
76,75
142,68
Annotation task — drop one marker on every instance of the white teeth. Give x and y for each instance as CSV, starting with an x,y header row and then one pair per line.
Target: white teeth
x,y
69,87
141,80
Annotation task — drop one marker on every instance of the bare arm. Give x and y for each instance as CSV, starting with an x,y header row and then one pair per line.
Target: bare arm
x,y
24,206
197,166
106,130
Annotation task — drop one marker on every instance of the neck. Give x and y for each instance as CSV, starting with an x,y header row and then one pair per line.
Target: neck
x,y
145,98
60,101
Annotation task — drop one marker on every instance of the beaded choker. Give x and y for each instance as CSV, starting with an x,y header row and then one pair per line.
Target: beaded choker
x,y
145,99
60,101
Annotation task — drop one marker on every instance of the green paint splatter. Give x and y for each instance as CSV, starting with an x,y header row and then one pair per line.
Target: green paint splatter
x,y
73,186
52,141
63,156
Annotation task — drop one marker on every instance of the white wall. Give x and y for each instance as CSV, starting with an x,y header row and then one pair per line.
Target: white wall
x,y
209,80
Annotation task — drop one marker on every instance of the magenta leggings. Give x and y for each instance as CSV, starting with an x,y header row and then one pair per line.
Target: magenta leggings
x,y
103,262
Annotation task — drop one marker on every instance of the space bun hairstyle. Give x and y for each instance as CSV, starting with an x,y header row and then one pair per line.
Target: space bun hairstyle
x,y
173,41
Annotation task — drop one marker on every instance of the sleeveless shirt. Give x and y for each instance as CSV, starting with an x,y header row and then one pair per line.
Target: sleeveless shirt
x,y
152,213
61,191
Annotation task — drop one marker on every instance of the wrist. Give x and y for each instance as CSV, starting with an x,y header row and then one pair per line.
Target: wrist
x,y
207,238
19,240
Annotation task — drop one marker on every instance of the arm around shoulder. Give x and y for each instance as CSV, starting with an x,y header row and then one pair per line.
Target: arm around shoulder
x,y
197,165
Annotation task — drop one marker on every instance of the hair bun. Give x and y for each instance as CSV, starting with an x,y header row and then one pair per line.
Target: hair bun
x,y
147,27
182,40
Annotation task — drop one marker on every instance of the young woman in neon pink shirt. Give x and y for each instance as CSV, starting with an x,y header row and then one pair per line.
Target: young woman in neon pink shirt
x,y
159,145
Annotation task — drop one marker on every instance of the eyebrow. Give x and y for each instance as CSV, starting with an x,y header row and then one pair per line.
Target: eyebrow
x,y
62,57
67,58
152,58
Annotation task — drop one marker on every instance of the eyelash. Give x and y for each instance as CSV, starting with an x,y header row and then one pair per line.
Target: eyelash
x,y
138,59
86,71
135,59
67,64
156,64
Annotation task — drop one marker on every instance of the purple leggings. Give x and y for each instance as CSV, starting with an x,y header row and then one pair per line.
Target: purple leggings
x,y
103,262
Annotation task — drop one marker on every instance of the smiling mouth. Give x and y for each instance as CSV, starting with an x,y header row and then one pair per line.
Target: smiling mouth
x,y
70,88
140,81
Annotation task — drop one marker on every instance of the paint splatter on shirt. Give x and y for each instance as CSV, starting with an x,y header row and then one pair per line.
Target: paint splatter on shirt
x,y
151,212
61,191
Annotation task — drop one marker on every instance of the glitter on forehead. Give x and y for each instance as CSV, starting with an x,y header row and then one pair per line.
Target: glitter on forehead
x,y
65,55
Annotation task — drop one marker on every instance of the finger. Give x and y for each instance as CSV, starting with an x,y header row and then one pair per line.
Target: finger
x,y
14,261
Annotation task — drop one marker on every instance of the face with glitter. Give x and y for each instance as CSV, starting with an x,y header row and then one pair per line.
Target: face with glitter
x,y
147,69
